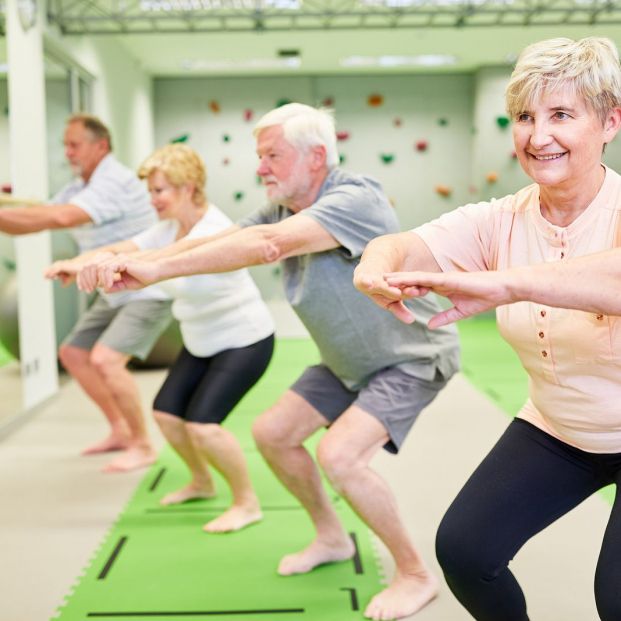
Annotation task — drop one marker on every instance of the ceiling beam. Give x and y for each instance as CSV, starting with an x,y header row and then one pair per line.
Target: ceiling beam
x,y
175,16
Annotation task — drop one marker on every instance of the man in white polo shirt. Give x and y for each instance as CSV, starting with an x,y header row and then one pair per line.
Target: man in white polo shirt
x,y
106,203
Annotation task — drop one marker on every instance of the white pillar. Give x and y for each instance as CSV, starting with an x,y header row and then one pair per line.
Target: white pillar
x,y
26,86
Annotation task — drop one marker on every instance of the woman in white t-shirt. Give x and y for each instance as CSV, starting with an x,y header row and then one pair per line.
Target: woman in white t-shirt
x,y
228,337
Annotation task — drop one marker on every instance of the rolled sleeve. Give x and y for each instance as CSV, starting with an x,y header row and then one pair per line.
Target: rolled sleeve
x,y
461,239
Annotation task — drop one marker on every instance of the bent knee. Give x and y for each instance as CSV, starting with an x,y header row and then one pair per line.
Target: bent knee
x,y
108,361
204,431
336,462
72,357
608,600
268,430
164,418
460,553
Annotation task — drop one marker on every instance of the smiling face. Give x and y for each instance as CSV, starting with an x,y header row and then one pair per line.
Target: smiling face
x,y
559,139
167,199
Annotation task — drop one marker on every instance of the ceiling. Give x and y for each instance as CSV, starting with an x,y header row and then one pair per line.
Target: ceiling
x,y
124,16
171,38
323,52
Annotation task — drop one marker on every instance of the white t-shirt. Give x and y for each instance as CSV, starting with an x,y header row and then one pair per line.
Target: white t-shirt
x,y
215,311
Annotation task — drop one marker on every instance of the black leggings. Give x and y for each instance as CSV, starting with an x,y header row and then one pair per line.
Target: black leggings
x,y
528,480
205,390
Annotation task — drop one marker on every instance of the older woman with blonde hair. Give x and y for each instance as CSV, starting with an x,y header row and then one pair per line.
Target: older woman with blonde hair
x,y
564,98
227,331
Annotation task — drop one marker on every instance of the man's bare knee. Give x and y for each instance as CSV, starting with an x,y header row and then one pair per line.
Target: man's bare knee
x,y
264,430
335,461
72,357
108,361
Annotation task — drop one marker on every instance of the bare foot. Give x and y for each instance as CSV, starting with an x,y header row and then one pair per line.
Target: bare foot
x,y
132,459
192,491
114,442
406,595
317,553
235,518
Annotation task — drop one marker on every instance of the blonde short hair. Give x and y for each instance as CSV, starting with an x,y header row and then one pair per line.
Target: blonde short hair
x,y
304,127
180,164
590,66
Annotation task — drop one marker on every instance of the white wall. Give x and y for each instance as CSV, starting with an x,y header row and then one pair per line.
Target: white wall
x,y
182,107
4,132
121,93
6,241
28,153
493,145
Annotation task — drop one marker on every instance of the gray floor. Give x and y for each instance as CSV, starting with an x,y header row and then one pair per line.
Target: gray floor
x,y
56,506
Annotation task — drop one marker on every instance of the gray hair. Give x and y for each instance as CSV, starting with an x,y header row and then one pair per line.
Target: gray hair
x,y
92,124
590,66
304,127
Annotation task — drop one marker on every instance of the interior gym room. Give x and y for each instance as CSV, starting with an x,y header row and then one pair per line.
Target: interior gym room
x,y
416,89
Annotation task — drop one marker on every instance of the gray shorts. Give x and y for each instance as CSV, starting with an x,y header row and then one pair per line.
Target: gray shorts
x,y
131,329
392,396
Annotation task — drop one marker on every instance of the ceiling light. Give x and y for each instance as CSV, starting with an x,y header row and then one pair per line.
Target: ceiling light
x,y
434,3
250,63
423,60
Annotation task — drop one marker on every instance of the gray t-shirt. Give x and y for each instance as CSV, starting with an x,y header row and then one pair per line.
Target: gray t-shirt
x,y
355,337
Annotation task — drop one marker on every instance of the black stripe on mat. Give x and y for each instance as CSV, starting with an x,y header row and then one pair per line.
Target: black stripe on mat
x,y
194,613
158,478
356,559
207,508
353,597
117,549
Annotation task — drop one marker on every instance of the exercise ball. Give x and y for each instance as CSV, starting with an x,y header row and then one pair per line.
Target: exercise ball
x,y
165,350
9,324
162,355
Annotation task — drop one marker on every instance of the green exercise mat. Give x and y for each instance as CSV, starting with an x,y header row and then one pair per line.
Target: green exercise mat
x,y
157,563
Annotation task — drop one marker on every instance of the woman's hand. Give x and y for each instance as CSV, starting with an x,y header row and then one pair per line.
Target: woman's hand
x,y
65,271
87,276
470,292
124,272
383,294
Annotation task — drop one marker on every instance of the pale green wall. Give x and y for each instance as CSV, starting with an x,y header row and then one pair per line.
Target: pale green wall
x,y
121,93
182,106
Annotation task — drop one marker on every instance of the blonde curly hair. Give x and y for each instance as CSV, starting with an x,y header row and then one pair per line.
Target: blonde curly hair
x,y
180,164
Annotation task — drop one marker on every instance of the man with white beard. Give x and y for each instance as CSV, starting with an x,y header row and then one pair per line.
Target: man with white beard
x,y
376,374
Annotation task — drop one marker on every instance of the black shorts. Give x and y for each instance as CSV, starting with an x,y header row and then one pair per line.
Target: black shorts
x,y
205,390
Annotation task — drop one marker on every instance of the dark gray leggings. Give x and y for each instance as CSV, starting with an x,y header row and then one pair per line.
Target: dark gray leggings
x,y
528,480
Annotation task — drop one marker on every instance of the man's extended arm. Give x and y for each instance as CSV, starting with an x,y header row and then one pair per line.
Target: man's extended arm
x,y
254,245
22,220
